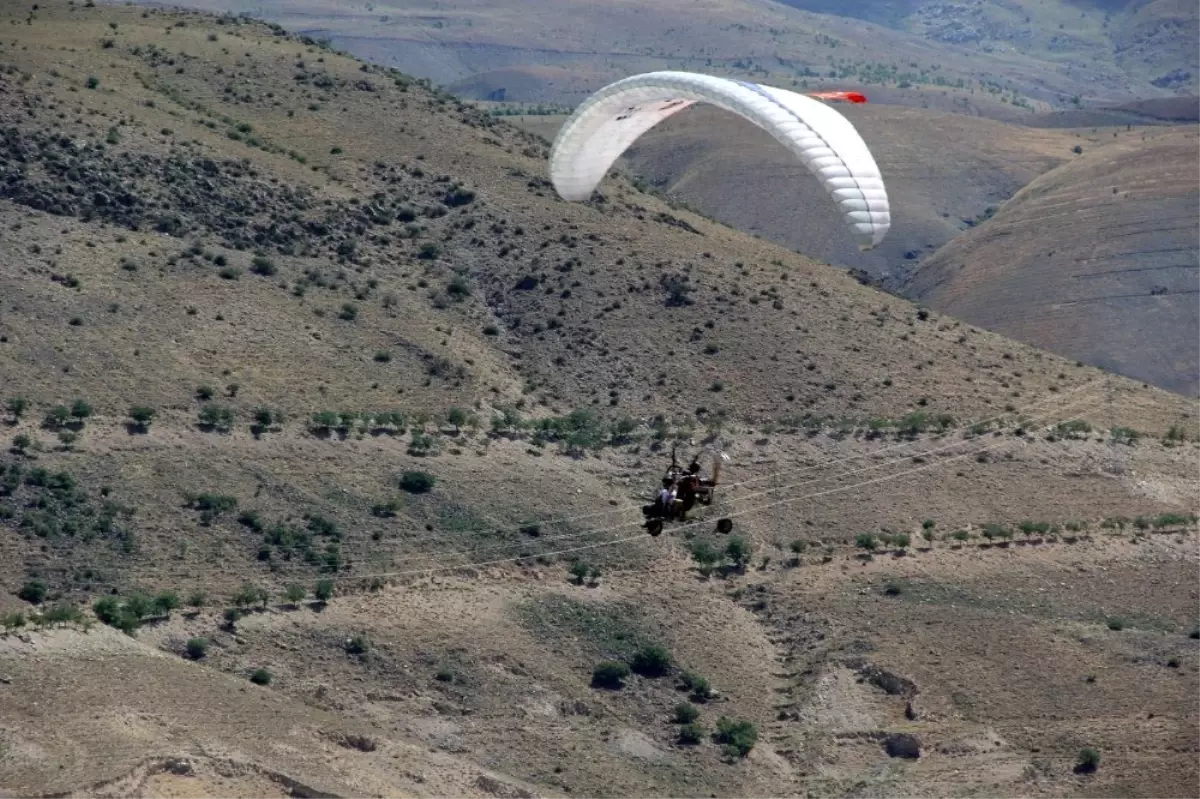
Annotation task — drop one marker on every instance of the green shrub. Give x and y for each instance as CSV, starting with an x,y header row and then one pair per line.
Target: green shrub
x,y
34,592
260,676
358,645
57,416
651,661
866,541
610,674
686,713
691,734
738,551
246,595
80,410
738,737
17,407
197,648
901,540
700,689
13,621
579,571
324,590
1089,759
417,482
294,593
166,601
705,555
261,265
141,415
798,546
61,613
216,416
1116,623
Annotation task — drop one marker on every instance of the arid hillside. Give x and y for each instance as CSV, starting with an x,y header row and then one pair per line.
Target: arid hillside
x,y
326,428
1030,52
1097,260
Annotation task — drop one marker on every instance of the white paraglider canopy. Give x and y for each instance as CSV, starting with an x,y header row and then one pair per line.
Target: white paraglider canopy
x,y
613,118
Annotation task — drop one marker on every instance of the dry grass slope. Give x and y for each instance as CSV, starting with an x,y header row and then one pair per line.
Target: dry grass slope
x,y
301,264
1096,260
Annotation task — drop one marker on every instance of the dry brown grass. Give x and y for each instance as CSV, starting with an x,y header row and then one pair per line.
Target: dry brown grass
x,y
1095,260
509,623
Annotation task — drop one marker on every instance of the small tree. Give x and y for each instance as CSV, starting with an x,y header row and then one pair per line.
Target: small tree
x,y
579,571
651,661
610,674
142,416
1089,760
294,594
21,443
34,592
80,410
217,417
57,416
417,482
166,601
457,417
705,555
691,734
866,541
700,689
17,407
324,590
738,551
197,648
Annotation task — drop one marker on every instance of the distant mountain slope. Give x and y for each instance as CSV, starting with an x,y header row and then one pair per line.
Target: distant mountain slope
x,y
1096,260
944,171
1040,51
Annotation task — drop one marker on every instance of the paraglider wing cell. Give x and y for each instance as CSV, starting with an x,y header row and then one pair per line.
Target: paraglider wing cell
x,y
609,121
